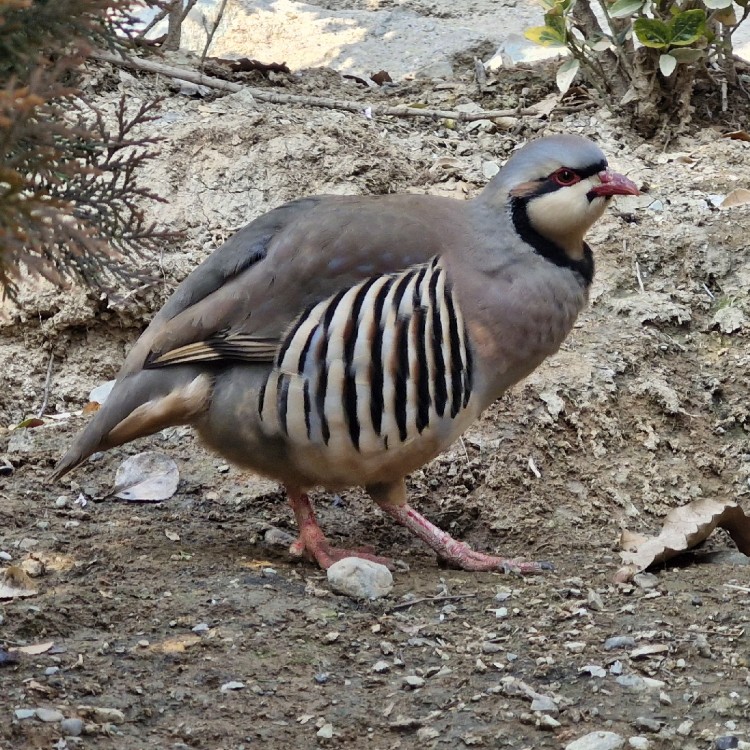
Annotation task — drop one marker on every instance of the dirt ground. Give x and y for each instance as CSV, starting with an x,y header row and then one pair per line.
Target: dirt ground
x,y
179,626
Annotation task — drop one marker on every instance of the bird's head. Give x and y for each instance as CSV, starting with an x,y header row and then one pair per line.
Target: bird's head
x,y
556,188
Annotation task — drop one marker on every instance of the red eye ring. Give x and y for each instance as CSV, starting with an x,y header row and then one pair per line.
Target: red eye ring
x,y
565,177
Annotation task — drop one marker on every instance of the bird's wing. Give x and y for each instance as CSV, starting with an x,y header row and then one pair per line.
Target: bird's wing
x,y
242,299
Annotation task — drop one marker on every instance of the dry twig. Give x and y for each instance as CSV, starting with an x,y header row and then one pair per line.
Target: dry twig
x,y
271,97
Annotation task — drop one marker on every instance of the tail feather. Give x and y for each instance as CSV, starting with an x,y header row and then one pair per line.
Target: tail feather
x,y
140,404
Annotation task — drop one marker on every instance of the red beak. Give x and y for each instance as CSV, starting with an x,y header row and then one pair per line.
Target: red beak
x,y
614,183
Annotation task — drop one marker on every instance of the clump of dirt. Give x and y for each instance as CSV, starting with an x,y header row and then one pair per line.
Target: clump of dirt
x,y
178,625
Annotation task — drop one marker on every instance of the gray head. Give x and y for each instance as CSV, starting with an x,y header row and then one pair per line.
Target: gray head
x,y
556,188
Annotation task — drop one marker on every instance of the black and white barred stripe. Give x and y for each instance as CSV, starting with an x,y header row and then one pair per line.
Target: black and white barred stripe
x,y
374,365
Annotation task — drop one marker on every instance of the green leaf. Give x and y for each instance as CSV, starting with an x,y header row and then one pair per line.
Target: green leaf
x,y
566,74
667,64
717,4
625,8
547,36
652,33
687,27
686,54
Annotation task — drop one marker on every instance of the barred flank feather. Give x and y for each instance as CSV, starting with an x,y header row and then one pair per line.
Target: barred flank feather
x,y
375,365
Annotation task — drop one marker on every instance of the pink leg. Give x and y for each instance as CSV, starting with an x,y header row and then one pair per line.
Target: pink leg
x,y
457,554
312,542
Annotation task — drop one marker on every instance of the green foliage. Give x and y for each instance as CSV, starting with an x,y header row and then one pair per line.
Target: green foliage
x,y
70,203
683,35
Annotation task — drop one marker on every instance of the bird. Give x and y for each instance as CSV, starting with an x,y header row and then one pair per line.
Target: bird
x,y
345,341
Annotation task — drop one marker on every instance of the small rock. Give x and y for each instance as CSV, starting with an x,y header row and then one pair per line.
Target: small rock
x,y
575,647
71,727
647,723
325,732
594,670
685,728
638,684
62,502
726,743
386,648
646,581
597,741
413,682
639,743
619,641
24,713
360,579
595,601
381,666
331,637
5,556
490,169
427,733
33,568
664,699
49,715
545,704
51,671
488,647
201,627
232,685
547,722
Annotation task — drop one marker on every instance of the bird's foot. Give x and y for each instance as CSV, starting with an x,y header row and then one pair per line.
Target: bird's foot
x,y
312,543
455,553
315,547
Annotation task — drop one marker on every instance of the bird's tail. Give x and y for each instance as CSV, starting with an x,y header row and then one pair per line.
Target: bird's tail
x,y
140,404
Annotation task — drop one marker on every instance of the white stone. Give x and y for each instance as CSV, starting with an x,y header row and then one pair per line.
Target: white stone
x,y
597,741
360,579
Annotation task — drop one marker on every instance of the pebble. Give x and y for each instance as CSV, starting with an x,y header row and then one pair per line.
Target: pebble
x,y
639,743
62,502
597,741
331,637
575,647
723,743
619,641
545,704
647,723
49,715
638,684
72,727
685,728
325,732
360,579
50,671
381,666
646,581
24,713
232,685
201,627
413,681
5,556
427,733
547,722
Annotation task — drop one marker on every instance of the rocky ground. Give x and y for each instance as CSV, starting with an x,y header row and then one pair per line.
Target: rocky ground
x,y
180,625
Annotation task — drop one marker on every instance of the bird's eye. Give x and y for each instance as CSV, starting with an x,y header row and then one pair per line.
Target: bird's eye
x,y
565,177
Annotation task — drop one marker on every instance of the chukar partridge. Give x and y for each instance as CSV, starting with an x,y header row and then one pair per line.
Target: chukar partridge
x,y
346,341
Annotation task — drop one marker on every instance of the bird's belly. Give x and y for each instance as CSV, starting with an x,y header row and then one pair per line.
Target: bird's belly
x,y
339,463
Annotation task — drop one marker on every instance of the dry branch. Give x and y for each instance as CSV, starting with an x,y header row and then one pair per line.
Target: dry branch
x,y
193,76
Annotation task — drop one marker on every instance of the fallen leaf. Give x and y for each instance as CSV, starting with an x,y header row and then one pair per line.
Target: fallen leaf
x,y
738,135
34,649
176,645
738,197
381,77
146,477
30,422
15,584
683,528
91,407
99,394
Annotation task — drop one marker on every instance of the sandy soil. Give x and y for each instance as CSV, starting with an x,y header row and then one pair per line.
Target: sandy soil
x,y
154,609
